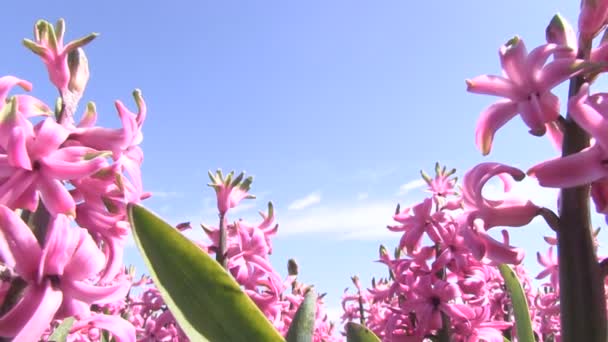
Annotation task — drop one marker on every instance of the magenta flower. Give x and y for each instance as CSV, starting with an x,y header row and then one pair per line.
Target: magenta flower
x,y
415,222
49,46
430,298
549,261
230,192
35,164
510,211
587,166
527,86
57,276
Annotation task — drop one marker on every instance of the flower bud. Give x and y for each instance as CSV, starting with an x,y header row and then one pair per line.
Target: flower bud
x,y
79,70
560,32
592,18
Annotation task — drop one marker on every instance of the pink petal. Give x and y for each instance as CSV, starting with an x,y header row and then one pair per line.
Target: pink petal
x,y
592,121
122,330
56,197
23,250
17,150
491,120
576,169
60,243
513,60
87,260
30,318
493,85
558,71
92,294
49,136
15,187
8,82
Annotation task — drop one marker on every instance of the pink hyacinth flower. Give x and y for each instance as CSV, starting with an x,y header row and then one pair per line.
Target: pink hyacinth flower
x,y
57,276
35,164
527,86
230,192
587,166
48,44
510,211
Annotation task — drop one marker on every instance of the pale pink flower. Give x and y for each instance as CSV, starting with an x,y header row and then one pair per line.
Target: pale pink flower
x,y
527,86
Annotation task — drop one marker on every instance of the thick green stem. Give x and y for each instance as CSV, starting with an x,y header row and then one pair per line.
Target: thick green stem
x,y
582,297
220,256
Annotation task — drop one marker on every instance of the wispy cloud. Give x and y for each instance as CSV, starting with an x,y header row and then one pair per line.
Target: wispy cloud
x,y
362,195
165,194
411,185
361,221
305,202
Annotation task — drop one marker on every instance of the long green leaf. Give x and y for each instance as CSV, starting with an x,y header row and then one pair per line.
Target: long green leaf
x,y
302,326
520,304
358,333
60,334
205,300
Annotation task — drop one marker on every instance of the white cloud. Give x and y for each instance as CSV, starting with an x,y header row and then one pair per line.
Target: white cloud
x,y
411,185
362,195
363,221
165,194
305,202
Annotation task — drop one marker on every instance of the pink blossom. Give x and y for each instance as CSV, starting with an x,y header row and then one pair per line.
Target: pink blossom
x,y
48,44
57,275
35,163
230,191
527,86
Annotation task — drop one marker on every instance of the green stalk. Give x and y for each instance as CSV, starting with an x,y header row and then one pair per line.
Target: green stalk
x,y
220,256
582,298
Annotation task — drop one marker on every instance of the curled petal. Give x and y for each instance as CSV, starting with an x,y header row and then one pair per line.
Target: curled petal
x,y
8,82
491,120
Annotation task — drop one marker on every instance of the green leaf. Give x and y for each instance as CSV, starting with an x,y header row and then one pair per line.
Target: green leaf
x,y
358,333
60,334
302,326
205,300
520,304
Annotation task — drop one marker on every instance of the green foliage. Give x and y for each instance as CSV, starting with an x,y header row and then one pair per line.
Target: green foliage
x,y
205,300
302,327
358,333
520,304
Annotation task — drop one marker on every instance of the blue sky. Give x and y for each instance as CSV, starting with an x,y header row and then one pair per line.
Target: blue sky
x,y
333,106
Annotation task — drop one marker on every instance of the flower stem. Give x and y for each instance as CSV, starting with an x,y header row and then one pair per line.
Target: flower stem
x,y
220,256
582,298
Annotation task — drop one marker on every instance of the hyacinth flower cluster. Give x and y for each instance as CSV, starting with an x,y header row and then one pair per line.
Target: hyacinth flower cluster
x,y
442,279
245,254
244,249
64,187
579,134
